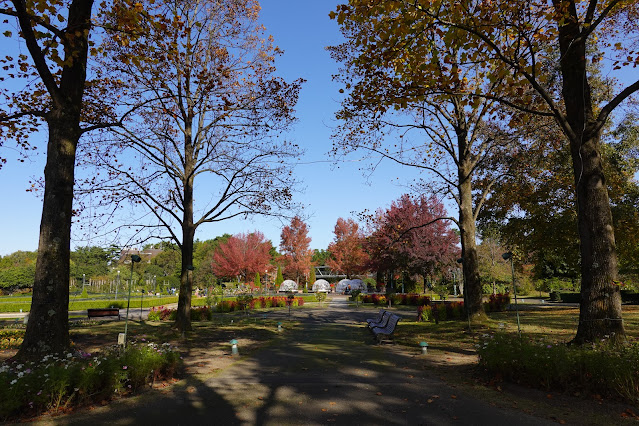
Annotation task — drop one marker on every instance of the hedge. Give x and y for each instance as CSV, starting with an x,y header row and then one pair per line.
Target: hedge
x,y
86,304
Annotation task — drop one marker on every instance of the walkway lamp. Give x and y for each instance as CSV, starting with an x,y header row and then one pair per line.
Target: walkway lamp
x,y
506,256
117,284
134,259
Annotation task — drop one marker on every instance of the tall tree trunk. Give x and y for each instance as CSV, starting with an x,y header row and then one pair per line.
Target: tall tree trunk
x,y
470,265
183,319
48,327
600,309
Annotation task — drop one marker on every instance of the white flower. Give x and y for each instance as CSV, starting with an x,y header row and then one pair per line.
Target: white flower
x,y
14,381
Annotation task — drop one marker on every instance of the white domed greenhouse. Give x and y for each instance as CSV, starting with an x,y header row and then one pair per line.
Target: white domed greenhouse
x,y
342,285
288,285
321,286
358,284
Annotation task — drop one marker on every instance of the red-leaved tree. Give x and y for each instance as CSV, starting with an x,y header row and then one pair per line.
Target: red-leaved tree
x,y
242,256
347,253
412,235
294,246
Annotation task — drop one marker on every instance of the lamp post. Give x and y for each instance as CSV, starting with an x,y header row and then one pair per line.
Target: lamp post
x,y
134,258
117,284
83,279
506,256
455,283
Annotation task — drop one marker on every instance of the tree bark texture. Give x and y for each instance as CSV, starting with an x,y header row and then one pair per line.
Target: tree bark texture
x,y
470,265
600,309
48,327
183,320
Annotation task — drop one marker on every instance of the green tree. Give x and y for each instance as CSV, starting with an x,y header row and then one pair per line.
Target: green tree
x,y
311,276
279,279
257,281
415,100
91,261
526,42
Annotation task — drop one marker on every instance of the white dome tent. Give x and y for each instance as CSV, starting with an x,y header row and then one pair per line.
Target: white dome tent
x,y
321,286
288,285
358,284
342,286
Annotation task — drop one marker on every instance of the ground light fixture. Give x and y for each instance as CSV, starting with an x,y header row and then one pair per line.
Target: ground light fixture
x,y
234,350
424,346
134,259
279,326
506,256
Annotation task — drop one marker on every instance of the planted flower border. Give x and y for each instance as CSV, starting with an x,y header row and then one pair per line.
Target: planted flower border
x,y
202,313
62,381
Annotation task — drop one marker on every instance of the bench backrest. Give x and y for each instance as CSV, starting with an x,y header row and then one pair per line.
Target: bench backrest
x,y
382,323
379,317
390,326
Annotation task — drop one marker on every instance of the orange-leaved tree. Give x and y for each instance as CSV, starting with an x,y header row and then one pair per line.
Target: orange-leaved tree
x,y
242,256
294,246
347,255
413,99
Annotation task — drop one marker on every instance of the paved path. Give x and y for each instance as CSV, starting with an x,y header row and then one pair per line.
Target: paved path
x,y
329,371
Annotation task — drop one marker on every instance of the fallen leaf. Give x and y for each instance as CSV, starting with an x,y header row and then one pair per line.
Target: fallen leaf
x,y
454,396
324,409
549,396
331,403
378,393
260,397
430,401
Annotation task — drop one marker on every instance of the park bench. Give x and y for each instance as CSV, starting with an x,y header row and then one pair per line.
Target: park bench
x,y
385,333
103,312
382,322
377,319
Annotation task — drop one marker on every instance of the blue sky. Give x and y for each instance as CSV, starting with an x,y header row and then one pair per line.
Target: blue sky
x,y
302,30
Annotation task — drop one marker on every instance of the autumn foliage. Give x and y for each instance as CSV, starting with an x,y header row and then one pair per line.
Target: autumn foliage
x,y
242,256
347,252
296,254
412,235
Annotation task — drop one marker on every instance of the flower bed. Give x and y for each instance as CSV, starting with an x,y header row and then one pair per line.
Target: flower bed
x,y
202,313
441,311
396,299
60,381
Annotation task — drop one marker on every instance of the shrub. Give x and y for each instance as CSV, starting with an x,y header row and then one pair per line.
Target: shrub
x,y
497,302
202,313
424,313
602,369
69,379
